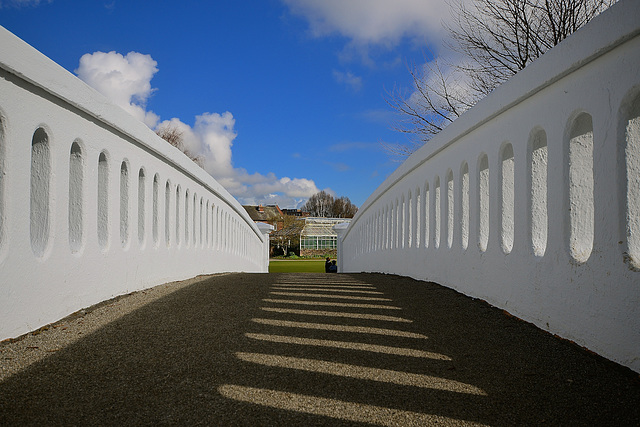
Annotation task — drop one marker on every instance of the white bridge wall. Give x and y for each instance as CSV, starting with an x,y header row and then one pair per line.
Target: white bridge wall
x,y
93,204
530,200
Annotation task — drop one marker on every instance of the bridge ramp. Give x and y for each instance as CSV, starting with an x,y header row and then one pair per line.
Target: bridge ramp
x,y
306,349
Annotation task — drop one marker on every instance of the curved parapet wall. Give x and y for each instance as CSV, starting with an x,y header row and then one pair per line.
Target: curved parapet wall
x,y
93,204
531,200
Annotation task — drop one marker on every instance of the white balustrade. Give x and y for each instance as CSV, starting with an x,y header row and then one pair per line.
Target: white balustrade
x,y
531,199
93,204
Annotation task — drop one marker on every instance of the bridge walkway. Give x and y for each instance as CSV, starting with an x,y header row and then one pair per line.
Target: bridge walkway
x,y
306,349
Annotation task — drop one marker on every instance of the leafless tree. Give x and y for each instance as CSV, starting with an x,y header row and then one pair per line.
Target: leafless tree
x,y
289,234
493,40
343,208
319,204
439,95
324,205
498,38
174,136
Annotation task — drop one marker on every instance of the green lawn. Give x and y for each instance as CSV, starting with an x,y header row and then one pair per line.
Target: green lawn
x,y
296,266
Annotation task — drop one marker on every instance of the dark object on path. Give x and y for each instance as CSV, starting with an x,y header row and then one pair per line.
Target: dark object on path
x,y
333,268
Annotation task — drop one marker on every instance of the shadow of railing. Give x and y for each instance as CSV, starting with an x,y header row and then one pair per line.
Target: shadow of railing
x,y
336,350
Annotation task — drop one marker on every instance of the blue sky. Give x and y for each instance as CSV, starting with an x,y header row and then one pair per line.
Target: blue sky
x,y
282,97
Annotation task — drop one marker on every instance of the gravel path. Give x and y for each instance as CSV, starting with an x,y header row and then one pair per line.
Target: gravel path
x,y
306,349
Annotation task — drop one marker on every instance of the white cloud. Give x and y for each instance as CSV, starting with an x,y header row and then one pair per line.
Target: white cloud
x,y
365,22
349,79
126,80
212,137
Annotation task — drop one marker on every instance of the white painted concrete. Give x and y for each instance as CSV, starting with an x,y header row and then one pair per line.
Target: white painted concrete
x,y
546,191
93,204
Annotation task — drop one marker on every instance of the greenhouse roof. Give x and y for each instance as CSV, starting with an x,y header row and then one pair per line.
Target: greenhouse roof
x,y
321,226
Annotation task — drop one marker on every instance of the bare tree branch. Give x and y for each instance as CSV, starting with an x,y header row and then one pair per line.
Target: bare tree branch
x,y
324,205
174,136
496,39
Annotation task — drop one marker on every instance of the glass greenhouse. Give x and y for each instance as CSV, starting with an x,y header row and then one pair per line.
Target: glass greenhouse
x,y
318,234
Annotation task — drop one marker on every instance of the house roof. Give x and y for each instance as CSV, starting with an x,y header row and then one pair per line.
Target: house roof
x,y
264,213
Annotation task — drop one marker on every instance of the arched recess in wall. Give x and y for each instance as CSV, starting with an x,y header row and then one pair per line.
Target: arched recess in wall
x,y
450,208
224,231
408,225
200,226
537,186
377,230
402,221
76,199
124,203
195,211
464,205
418,218
631,197
214,208
217,229
40,195
207,225
579,162
103,200
178,191
233,239
214,231
396,224
506,196
156,208
427,218
141,207
390,225
483,202
229,242
436,212
2,174
213,225
381,229
187,201
167,213
385,227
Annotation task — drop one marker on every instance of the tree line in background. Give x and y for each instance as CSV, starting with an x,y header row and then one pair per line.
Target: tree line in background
x,y
324,205
490,41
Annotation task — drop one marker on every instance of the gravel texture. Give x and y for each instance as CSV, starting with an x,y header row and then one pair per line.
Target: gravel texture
x,y
306,349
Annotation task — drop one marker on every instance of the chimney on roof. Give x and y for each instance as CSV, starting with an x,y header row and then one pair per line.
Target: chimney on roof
x,y
260,208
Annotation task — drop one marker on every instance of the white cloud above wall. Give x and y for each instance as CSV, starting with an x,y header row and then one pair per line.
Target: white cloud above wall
x,y
374,26
126,80
368,22
371,27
